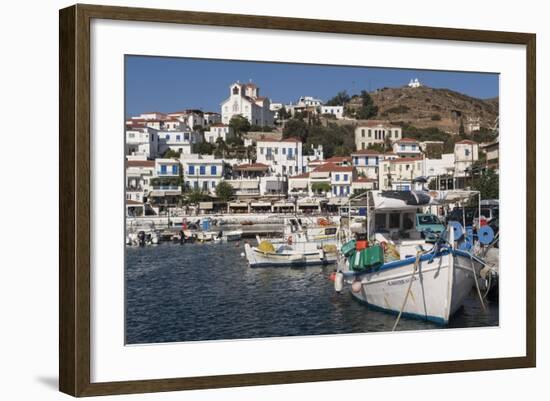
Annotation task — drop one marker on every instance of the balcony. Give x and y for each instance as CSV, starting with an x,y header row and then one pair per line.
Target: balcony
x,y
167,188
167,173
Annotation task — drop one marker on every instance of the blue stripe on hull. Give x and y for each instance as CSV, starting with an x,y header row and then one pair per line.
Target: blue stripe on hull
x,y
434,319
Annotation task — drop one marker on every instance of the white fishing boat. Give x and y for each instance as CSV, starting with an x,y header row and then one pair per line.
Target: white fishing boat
x,y
234,235
320,231
396,270
208,236
267,254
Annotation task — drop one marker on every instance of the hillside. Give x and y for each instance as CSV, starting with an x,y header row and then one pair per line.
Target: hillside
x,y
429,107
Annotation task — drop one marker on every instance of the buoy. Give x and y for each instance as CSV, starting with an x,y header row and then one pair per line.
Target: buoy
x,y
242,254
485,235
332,276
356,286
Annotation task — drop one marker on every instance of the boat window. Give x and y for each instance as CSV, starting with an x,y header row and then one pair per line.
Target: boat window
x,y
428,219
394,220
330,231
380,220
486,213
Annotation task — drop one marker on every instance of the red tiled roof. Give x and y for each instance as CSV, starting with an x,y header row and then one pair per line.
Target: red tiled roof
x,y
291,139
338,159
304,175
467,142
331,167
140,163
405,159
374,123
407,140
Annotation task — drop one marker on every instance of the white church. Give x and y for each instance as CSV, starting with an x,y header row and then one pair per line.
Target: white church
x,y
245,100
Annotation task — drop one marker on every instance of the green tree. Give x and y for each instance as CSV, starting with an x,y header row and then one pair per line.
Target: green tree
x,y
224,191
283,113
377,147
171,154
320,187
240,125
368,108
340,99
295,127
196,196
487,184
203,148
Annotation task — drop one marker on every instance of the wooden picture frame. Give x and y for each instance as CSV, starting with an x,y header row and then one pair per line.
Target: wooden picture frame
x,y
75,207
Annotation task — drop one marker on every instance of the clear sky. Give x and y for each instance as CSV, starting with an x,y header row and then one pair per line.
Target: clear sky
x,y
169,84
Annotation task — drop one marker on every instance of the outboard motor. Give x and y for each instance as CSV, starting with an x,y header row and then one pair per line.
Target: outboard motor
x,y
182,237
141,238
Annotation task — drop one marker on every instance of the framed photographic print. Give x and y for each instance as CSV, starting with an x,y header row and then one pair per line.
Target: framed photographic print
x,y
250,200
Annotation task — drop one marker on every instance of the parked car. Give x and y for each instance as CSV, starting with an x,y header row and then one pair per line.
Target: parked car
x,y
429,226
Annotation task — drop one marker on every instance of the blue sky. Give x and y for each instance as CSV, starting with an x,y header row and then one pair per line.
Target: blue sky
x,y
169,84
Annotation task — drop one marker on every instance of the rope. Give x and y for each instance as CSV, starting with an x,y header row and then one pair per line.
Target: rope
x,y
477,284
416,264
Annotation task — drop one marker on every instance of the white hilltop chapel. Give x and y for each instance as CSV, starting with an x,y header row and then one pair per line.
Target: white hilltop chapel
x,y
245,100
414,83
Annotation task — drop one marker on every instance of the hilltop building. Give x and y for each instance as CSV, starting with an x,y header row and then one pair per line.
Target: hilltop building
x,y
371,132
245,100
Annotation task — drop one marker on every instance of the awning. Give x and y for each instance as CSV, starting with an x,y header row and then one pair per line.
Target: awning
x,y
287,204
243,184
338,201
260,204
206,205
302,184
238,204
274,185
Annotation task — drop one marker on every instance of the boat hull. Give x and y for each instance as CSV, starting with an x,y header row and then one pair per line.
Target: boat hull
x,y
296,258
438,289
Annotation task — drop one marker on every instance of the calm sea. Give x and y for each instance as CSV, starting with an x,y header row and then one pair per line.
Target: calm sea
x,y
207,292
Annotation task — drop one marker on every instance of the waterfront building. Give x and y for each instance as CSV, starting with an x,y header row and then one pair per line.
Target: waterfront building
x,y
246,179
284,155
202,172
218,131
336,111
492,155
139,174
366,162
299,185
141,142
372,132
398,173
165,185
466,154
338,178
407,147
362,184
245,100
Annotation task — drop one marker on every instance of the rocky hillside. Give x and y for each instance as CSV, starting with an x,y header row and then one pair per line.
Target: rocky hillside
x,y
428,107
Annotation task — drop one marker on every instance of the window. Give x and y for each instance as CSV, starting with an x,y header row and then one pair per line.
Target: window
x,y
284,151
362,145
205,185
167,137
178,137
380,221
213,184
261,150
191,170
345,177
337,177
163,169
467,152
356,161
235,90
131,135
394,220
334,190
174,169
213,170
195,185
370,134
363,133
202,170
290,152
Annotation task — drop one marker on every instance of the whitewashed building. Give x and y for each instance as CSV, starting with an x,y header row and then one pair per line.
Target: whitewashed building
x,y
336,111
211,117
407,147
178,141
141,142
245,100
466,154
372,132
202,172
191,117
398,173
218,131
138,179
284,156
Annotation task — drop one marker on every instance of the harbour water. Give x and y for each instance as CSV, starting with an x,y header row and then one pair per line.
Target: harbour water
x,y
198,292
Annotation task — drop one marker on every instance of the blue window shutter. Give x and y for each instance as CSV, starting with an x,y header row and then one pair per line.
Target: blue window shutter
x,y
174,169
213,170
163,169
202,170
191,169
337,177
345,177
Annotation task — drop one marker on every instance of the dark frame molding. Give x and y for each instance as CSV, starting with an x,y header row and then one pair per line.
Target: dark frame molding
x,y
74,199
